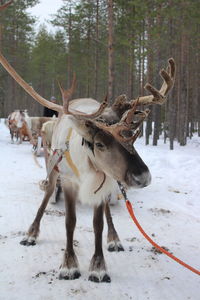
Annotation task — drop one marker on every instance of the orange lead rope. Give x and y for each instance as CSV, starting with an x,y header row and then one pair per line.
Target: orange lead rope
x,y
131,212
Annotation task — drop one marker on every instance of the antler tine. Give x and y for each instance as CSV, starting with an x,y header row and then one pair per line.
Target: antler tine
x,y
2,7
131,112
70,91
127,118
64,98
159,96
66,94
143,115
27,87
125,126
168,76
116,130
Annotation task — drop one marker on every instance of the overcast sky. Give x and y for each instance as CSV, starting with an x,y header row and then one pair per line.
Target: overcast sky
x,y
43,10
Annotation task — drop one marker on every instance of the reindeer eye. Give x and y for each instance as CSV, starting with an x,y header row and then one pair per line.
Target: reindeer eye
x,y
99,145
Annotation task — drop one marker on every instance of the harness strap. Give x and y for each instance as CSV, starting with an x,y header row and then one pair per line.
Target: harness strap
x,y
68,156
53,162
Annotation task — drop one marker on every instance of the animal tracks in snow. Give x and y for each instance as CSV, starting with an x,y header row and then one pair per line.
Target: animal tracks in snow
x,y
49,275
160,211
12,235
54,212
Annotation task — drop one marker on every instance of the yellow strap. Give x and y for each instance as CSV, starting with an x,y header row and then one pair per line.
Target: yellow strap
x,y
68,156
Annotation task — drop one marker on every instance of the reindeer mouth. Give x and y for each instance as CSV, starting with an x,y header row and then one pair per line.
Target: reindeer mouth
x,y
140,181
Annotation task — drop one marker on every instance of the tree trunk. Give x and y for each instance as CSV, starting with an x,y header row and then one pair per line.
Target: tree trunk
x,y
150,56
69,32
157,108
183,90
110,52
96,67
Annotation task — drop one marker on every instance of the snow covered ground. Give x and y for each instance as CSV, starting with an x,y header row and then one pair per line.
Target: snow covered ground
x,y
168,209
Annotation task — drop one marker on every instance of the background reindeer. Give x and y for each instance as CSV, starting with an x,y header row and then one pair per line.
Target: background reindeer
x,y
18,126
23,127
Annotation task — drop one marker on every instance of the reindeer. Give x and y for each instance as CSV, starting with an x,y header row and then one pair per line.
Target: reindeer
x,y
17,124
88,145
26,128
35,124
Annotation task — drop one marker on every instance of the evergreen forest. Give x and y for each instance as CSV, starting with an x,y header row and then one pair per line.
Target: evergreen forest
x,y
114,47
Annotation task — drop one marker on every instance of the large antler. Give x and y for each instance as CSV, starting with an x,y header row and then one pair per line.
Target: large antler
x,y
159,96
2,7
127,130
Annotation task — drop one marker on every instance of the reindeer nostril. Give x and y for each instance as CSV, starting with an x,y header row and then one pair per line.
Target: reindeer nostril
x,y
148,179
139,181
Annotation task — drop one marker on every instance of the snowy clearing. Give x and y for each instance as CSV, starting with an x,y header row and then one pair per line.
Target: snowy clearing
x,y
168,209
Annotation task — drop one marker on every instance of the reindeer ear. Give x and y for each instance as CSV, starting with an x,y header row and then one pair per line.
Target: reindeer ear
x,y
86,128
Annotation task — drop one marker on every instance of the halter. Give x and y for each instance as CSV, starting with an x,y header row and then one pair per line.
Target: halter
x,y
68,156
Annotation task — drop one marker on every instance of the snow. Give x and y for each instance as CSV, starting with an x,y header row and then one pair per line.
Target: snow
x,y
168,210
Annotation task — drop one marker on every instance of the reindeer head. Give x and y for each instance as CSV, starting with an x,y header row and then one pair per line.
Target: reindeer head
x,y
108,150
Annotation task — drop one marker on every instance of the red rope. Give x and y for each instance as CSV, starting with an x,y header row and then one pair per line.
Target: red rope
x,y
130,209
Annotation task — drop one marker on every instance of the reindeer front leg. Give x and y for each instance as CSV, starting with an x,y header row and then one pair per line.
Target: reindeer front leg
x,y
97,265
33,232
20,135
12,136
113,240
69,268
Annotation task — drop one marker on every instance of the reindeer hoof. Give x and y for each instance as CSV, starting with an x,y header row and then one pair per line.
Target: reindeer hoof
x,y
115,247
67,274
93,278
28,242
96,278
106,278
77,274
